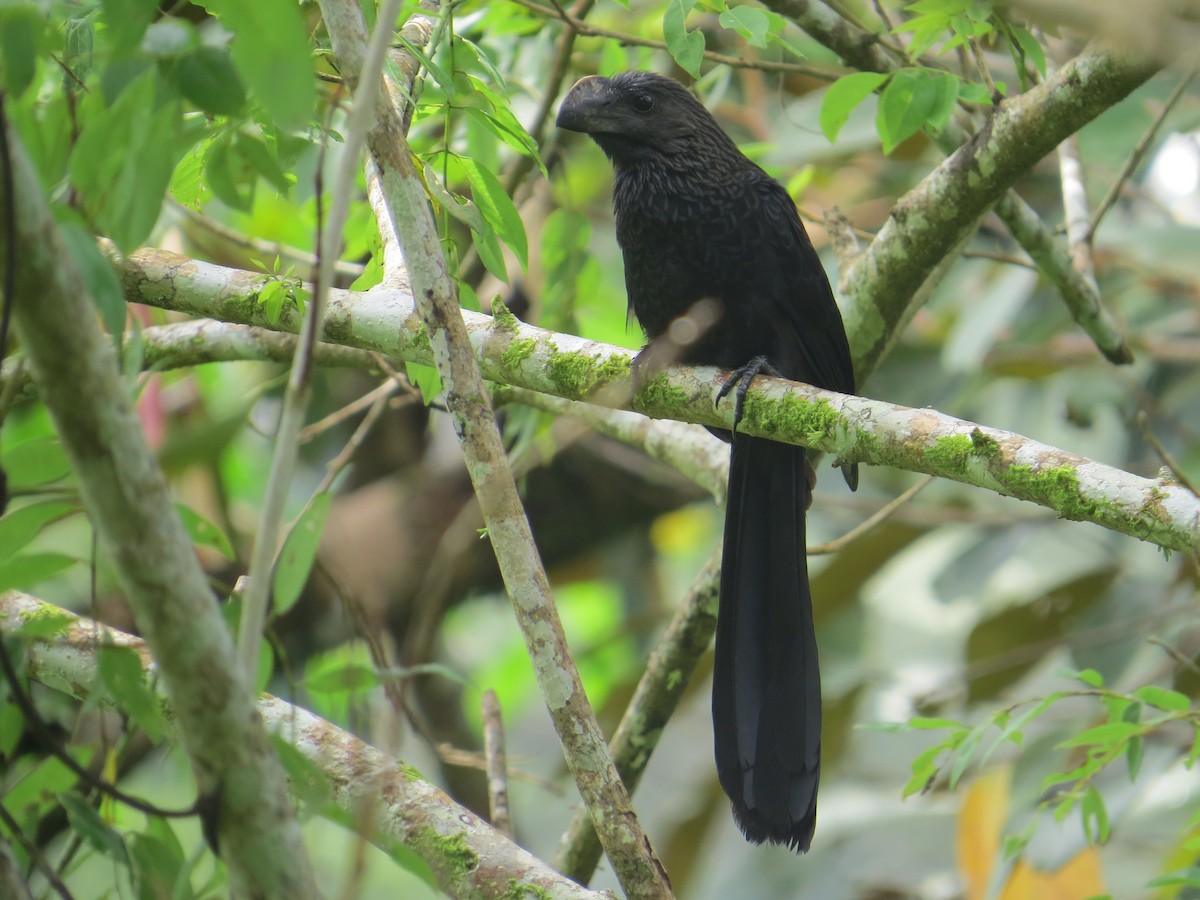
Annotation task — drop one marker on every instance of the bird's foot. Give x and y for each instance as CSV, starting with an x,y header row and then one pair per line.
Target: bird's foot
x,y
739,382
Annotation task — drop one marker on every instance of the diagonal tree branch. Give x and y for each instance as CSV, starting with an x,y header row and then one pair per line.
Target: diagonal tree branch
x,y
853,428
468,857
408,213
864,50
129,505
943,209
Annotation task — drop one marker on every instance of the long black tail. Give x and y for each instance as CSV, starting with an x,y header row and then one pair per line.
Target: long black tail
x,y
766,685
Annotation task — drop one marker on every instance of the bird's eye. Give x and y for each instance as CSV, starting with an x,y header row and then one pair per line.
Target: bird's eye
x,y
642,102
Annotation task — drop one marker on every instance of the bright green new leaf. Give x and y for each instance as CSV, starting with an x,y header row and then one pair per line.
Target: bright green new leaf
x,y
750,22
687,47
299,550
426,379
843,96
1163,698
905,106
497,208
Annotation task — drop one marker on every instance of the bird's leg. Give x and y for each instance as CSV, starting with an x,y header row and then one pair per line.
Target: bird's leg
x,y
740,379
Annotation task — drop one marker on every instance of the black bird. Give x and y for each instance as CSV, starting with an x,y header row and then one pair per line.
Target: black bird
x,y
697,220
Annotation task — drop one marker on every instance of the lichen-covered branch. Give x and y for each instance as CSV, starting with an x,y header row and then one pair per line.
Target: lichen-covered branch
x,y
896,298
668,673
854,428
468,857
409,214
939,212
130,506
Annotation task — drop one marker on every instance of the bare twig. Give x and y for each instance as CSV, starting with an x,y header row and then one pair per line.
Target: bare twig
x,y
497,768
877,518
1137,155
1151,438
1075,208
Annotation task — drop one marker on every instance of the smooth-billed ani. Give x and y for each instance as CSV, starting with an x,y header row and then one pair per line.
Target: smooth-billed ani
x,y
697,220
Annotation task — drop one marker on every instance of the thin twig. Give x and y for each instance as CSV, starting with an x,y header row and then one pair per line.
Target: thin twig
x,y
1135,157
1075,208
380,403
633,40
882,515
353,408
493,748
1177,473
299,388
35,853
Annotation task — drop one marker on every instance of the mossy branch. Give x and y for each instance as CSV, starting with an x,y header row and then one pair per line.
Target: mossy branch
x,y
450,839
853,428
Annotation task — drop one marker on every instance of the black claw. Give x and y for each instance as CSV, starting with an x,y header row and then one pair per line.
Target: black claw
x,y
741,378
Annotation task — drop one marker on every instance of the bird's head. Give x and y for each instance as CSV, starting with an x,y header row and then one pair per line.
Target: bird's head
x,y
636,116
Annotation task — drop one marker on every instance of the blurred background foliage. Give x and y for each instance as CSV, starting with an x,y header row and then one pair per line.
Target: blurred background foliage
x,y
964,607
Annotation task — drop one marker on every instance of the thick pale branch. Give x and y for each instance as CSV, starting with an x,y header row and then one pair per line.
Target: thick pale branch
x,y
853,428
467,856
895,298
408,213
130,507
943,208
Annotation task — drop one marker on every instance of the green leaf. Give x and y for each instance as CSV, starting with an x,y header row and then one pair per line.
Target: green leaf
x,y
98,276
124,158
228,175
1108,734
843,96
21,26
204,532
308,782
750,22
905,106
351,677
262,160
426,378
1189,877
272,53
686,47
921,723
945,92
1134,752
1095,816
87,824
1172,701
32,568
126,22
122,674
497,208
35,462
974,92
299,550
21,525
156,869
1030,47
208,78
